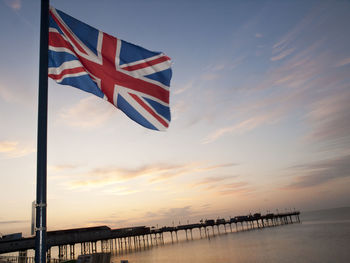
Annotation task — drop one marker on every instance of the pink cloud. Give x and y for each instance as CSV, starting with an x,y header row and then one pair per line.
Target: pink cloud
x,y
14,4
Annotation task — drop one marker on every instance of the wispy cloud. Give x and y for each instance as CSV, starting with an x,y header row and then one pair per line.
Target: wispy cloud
x,y
178,109
233,188
7,146
330,119
342,62
283,54
239,188
88,113
210,76
241,127
13,149
320,172
214,71
183,88
219,67
210,180
217,166
107,176
303,26
161,216
223,185
153,173
258,35
237,61
14,4
304,83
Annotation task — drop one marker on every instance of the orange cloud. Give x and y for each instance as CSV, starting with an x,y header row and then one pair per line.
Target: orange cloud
x,y
153,173
12,149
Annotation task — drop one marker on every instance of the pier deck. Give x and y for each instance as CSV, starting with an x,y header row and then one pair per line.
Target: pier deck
x,y
126,239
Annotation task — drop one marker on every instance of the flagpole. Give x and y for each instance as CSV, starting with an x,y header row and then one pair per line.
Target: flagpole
x,y
40,234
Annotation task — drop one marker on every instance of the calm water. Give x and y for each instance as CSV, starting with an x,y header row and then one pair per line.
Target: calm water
x,y
323,236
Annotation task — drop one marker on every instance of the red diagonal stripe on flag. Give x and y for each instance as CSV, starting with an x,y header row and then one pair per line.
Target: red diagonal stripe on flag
x,y
67,33
67,71
147,108
147,64
56,40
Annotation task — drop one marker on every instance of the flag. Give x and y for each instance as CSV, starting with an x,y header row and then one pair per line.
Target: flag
x,y
132,78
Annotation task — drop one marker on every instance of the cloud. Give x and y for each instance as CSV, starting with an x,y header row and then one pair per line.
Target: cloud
x,y
187,86
219,67
210,180
237,61
88,113
236,188
320,172
283,54
288,89
342,62
210,76
171,213
217,166
241,127
258,35
153,173
12,149
212,70
7,146
109,176
239,191
329,118
162,216
178,108
220,186
305,84
303,26
14,4
177,212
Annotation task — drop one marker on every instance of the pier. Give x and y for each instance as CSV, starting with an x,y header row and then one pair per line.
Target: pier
x,y
72,242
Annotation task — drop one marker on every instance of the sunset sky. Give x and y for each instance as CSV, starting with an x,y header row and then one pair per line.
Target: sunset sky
x,y
260,102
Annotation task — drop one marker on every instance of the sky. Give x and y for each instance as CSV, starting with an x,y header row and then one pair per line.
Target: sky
x,y
260,115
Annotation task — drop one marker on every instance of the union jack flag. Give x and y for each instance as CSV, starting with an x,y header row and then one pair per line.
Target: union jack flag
x,y
132,78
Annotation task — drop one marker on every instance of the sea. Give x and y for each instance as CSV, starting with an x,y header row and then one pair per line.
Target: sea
x,y
321,236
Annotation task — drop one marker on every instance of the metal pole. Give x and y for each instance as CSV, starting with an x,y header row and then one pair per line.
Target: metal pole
x,y
40,238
